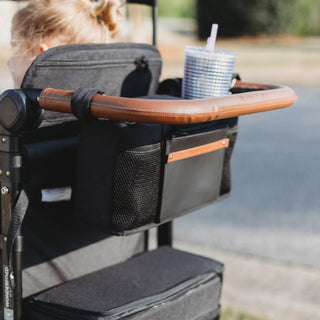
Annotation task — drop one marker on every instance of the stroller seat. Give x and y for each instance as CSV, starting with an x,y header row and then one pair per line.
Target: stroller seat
x,y
73,270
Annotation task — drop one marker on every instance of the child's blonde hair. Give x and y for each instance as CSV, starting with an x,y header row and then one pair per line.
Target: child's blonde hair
x,y
64,21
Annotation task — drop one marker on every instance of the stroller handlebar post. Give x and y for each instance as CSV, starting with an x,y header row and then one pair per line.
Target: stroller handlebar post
x,y
154,5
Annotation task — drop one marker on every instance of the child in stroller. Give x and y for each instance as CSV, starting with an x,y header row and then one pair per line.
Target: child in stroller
x,y
43,24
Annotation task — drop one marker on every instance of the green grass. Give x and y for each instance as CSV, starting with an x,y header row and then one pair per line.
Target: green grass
x,y
231,314
300,17
308,21
177,8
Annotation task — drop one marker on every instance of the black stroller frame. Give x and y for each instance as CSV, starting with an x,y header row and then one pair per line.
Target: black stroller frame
x,y
20,110
10,159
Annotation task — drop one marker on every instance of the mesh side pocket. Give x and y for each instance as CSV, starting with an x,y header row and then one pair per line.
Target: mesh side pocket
x,y
136,187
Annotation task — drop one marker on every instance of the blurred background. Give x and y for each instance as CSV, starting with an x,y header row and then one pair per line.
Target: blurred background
x,y
267,231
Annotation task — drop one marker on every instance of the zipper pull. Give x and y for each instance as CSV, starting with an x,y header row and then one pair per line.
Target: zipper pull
x,y
142,63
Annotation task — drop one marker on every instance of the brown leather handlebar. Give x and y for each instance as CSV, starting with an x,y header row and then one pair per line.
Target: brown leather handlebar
x,y
265,98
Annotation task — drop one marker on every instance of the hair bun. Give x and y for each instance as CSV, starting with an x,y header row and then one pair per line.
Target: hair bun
x,y
109,12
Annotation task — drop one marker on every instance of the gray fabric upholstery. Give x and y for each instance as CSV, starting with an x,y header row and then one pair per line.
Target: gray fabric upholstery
x,y
109,67
178,282
57,249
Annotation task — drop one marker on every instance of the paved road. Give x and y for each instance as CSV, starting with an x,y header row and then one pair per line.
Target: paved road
x,y
274,208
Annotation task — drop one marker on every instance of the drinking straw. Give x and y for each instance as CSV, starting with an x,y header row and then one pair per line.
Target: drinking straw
x,y
211,41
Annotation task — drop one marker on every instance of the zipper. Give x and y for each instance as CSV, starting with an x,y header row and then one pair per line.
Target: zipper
x,y
98,63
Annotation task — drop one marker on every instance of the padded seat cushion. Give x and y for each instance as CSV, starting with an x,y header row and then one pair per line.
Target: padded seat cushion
x,y
162,278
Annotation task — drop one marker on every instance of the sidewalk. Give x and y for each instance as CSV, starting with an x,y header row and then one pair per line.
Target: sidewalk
x,y
264,287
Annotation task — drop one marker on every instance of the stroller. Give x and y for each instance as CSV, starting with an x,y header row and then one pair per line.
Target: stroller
x,y
85,173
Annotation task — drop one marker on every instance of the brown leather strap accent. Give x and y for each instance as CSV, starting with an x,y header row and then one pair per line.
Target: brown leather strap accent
x,y
254,86
196,151
176,111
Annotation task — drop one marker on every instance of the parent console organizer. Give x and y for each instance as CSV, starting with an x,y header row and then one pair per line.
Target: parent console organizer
x,y
133,176
122,166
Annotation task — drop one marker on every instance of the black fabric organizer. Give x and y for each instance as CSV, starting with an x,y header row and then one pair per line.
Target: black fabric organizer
x,y
146,186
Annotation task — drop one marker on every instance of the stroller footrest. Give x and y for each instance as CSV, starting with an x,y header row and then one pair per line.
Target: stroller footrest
x,y
152,285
